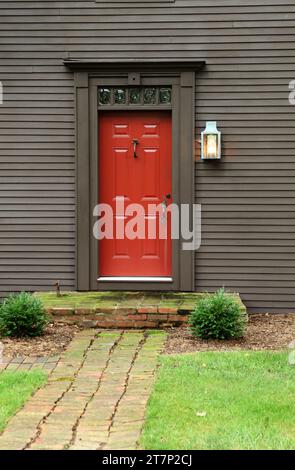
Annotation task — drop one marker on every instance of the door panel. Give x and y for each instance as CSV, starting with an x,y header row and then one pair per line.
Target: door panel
x,y
144,179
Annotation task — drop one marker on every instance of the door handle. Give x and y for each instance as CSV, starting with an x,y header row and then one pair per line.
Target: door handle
x,y
165,199
135,143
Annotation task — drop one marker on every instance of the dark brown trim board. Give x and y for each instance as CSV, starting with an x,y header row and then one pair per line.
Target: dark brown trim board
x,y
98,66
90,75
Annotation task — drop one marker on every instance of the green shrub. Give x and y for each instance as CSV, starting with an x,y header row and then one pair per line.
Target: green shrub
x,y
22,315
218,316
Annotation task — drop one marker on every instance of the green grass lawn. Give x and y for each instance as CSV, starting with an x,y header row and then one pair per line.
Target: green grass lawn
x,y
15,389
222,400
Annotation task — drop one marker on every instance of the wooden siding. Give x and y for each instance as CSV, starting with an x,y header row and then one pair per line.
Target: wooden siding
x,y
248,198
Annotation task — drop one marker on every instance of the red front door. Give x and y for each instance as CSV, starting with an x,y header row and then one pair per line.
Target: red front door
x,y
142,174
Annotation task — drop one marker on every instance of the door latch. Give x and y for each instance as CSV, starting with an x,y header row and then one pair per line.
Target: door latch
x,y
165,199
135,144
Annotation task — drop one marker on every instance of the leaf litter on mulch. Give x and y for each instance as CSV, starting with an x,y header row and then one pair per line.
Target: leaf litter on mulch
x,y
264,331
55,339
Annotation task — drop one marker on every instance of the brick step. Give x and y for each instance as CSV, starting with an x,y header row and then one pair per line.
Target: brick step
x,y
120,317
120,309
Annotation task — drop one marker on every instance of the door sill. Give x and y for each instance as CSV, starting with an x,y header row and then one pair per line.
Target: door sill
x,y
134,279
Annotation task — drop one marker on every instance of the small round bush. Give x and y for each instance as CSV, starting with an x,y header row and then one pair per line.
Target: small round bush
x,y
218,316
22,315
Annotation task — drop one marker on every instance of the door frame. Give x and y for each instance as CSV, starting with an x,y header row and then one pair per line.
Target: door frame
x,y
88,77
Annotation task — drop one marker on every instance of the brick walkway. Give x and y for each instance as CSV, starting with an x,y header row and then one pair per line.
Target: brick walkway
x,y
95,397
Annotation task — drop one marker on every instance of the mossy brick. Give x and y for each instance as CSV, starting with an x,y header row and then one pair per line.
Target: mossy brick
x,y
108,324
122,426
112,295
64,320
79,345
122,324
153,305
125,311
150,300
132,294
171,301
156,334
172,295
146,324
44,447
189,306
80,340
167,305
132,301
91,436
131,338
97,425
84,311
86,323
177,318
108,310
85,334
168,310
147,310
159,317
137,317
10,366
62,311
54,358
109,334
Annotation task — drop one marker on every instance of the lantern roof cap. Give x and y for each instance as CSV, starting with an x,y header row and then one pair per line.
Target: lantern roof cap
x,y
211,128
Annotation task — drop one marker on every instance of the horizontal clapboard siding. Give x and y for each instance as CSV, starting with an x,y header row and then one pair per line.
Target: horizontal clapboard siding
x,y
248,199
37,165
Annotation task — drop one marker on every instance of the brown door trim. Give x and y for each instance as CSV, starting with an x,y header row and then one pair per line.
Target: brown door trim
x,y
181,76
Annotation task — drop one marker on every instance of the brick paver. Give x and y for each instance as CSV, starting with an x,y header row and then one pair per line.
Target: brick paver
x,y
23,363
95,397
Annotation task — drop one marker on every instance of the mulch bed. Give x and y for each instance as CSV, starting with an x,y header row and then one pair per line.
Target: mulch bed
x,y
55,339
264,331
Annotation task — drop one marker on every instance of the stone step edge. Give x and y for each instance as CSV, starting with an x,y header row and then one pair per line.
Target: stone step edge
x,y
125,317
120,317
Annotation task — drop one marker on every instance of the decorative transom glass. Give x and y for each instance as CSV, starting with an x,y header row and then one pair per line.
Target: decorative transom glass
x,y
133,96
120,96
104,96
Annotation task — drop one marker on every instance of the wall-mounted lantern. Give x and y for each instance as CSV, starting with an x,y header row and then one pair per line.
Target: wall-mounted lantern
x,y
211,142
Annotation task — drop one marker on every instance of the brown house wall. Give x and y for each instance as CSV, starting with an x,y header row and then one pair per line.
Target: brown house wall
x,y
248,198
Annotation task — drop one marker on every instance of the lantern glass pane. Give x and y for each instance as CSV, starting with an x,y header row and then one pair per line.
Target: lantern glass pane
x,y
212,146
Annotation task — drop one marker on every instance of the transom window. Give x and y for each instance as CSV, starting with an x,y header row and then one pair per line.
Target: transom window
x,y
135,96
